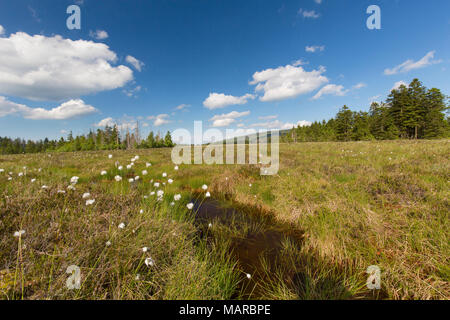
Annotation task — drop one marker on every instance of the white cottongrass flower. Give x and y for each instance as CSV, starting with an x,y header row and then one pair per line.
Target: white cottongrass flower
x,y
204,187
90,202
136,178
248,275
170,181
164,174
152,193
108,243
148,164
190,206
19,233
136,157
156,184
141,211
130,180
20,174
118,178
177,197
61,191
121,225
74,180
249,184
120,168
71,187
86,195
210,225
176,168
207,195
144,249
149,262
103,173
44,187
129,166
172,203
9,178
144,172
2,170
33,180
110,156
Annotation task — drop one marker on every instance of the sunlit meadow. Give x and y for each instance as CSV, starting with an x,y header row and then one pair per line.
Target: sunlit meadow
x,y
128,220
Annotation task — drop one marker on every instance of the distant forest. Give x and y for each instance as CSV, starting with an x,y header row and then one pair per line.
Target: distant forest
x,y
410,112
107,139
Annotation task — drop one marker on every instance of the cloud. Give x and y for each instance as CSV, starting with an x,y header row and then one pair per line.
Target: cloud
x,y
99,34
2,30
132,92
53,68
106,122
220,100
318,1
308,14
226,119
159,120
268,117
277,124
398,84
182,106
287,82
67,110
409,65
359,86
135,63
314,48
333,89
299,62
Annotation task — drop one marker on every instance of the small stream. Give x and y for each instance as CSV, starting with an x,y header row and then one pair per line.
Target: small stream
x,y
259,245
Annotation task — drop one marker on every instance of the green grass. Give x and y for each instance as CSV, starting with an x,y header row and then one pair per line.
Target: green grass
x,y
357,204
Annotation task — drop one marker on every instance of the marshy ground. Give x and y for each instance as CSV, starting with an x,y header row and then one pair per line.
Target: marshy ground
x,y
309,232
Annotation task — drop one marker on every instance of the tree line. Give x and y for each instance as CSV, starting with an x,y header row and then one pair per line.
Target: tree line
x,y
410,112
108,138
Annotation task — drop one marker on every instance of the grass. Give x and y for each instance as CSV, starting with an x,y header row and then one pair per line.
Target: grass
x,y
356,204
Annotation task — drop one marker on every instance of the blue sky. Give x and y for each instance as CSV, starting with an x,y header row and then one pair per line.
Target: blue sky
x,y
232,64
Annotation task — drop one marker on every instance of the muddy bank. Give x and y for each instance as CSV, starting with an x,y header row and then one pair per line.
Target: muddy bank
x,y
263,249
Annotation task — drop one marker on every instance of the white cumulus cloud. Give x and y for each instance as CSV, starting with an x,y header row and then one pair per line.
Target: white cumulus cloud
x,y
220,100
2,30
159,120
99,34
409,64
67,110
333,89
53,68
135,63
287,82
398,84
226,119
